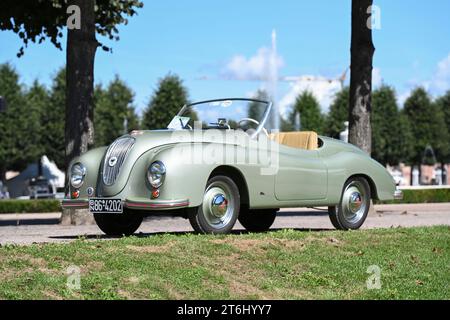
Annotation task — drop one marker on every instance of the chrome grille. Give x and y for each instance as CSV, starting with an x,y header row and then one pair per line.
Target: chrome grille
x,y
115,156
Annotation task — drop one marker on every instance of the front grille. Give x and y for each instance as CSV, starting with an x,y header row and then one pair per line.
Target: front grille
x,y
119,150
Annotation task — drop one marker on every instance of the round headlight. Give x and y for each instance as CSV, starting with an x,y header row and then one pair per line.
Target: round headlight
x,y
156,174
77,174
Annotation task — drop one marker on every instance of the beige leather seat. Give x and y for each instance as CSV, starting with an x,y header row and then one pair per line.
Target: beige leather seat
x,y
307,140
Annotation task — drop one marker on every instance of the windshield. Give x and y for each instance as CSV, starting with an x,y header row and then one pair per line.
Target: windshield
x,y
223,114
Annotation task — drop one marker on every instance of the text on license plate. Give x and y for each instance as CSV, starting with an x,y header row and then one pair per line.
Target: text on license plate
x,y
105,206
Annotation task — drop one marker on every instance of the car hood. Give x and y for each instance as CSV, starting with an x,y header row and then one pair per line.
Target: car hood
x,y
146,144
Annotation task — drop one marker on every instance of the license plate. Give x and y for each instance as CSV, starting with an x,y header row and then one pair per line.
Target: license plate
x,y
105,206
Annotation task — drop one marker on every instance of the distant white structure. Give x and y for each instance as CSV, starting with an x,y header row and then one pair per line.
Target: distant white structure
x,y
344,134
18,186
415,177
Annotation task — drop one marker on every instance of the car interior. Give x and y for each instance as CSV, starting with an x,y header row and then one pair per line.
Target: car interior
x,y
307,140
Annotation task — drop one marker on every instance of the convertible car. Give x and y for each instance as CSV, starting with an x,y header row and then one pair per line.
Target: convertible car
x,y
217,162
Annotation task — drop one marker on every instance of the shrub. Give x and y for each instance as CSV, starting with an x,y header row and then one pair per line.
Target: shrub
x,y
423,196
24,206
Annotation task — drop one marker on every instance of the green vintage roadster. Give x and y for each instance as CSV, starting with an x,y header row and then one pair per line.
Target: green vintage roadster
x,y
217,163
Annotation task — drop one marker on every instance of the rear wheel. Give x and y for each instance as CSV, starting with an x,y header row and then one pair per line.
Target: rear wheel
x,y
257,220
220,207
354,205
118,224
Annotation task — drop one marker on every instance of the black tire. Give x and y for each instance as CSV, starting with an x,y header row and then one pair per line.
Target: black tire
x,y
202,219
341,216
257,220
124,224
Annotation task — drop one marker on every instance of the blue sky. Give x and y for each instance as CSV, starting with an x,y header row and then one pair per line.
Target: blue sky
x,y
212,44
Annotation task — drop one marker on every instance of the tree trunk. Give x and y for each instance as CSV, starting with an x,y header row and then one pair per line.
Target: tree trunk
x,y
362,50
80,55
81,47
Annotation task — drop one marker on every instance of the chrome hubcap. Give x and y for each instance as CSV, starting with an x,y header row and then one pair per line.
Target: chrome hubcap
x,y
218,205
354,202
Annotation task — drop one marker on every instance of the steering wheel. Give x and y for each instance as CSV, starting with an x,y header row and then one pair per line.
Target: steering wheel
x,y
254,121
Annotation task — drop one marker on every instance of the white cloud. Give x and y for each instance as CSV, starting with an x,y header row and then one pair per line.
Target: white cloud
x,y
441,79
324,90
401,98
377,80
256,67
438,84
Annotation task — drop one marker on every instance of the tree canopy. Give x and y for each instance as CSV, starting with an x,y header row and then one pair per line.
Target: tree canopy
x,y
338,114
35,21
53,120
19,123
443,106
311,118
391,136
254,109
165,103
114,112
428,126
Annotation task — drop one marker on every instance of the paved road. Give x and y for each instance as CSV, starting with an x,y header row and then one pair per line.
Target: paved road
x,y
38,228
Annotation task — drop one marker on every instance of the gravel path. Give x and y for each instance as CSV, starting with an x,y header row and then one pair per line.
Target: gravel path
x,y
38,228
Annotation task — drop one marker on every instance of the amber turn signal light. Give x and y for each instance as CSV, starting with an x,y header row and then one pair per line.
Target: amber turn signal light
x,y
155,193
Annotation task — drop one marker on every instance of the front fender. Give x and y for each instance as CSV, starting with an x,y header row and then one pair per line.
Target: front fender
x,y
343,165
184,178
92,161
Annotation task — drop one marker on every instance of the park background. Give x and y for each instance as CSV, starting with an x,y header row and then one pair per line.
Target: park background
x,y
295,52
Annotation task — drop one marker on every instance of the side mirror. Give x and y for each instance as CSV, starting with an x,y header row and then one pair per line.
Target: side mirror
x,y
2,104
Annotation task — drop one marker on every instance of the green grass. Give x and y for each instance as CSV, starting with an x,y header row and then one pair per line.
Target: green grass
x,y
287,264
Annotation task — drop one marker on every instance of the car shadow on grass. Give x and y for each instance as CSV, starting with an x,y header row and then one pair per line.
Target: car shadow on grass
x,y
177,233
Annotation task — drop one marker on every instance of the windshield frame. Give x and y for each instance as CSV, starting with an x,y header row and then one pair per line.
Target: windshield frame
x,y
261,123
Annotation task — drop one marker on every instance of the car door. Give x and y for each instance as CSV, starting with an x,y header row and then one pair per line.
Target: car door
x,y
302,175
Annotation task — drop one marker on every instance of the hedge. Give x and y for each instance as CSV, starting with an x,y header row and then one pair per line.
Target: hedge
x,y
23,206
409,196
423,196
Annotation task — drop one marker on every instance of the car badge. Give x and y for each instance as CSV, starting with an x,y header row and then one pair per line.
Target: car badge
x,y
112,161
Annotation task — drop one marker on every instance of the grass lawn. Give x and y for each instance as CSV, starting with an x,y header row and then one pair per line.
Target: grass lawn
x,y
287,264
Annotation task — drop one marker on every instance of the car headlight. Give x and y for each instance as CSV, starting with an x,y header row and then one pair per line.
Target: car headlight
x,y
77,174
156,174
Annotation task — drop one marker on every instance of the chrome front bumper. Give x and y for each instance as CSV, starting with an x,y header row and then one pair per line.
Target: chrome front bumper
x,y
137,204
398,194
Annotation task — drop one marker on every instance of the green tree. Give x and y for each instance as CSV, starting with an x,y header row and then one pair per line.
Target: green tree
x,y
52,120
36,21
165,103
19,123
255,111
311,119
391,136
113,107
338,114
443,105
427,125
37,101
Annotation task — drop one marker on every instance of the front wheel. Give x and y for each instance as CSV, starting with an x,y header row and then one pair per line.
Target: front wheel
x,y
219,209
354,205
125,223
257,220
